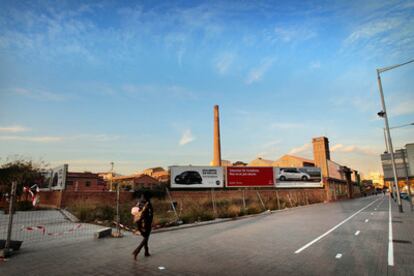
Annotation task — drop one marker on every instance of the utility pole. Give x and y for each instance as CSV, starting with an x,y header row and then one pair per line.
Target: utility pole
x,y
384,115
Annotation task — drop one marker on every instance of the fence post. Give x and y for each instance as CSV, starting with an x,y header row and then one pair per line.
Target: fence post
x,y
172,204
118,229
6,251
278,200
244,200
290,200
214,202
258,194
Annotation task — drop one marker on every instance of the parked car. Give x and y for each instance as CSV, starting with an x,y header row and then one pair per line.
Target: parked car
x,y
404,195
292,174
188,178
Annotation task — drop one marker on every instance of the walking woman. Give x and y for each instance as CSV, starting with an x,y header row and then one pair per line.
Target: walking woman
x,y
144,224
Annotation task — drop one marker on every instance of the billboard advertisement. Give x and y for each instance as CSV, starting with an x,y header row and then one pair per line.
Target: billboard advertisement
x,y
250,177
57,178
304,177
196,177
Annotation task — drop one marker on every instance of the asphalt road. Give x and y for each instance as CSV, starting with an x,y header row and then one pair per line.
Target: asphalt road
x,y
343,238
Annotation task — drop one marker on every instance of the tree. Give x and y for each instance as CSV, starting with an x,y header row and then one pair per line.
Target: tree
x,y
24,172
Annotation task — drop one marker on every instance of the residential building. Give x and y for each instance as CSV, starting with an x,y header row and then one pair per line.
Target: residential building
x,y
84,182
135,181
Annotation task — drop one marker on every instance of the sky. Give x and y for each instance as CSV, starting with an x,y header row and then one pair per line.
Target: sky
x,y
93,82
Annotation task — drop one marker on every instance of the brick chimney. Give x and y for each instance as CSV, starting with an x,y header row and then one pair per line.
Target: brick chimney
x,y
217,147
321,154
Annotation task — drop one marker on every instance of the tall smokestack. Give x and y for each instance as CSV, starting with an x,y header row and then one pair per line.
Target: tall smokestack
x,y
217,147
321,154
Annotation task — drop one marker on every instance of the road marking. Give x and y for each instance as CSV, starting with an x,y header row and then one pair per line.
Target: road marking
x,y
372,214
161,268
338,256
332,229
366,220
357,233
390,243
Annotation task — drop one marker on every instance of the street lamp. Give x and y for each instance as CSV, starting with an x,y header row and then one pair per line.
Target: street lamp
x,y
384,115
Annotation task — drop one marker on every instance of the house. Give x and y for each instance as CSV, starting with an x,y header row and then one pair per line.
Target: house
x,y
158,173
135,181
84,182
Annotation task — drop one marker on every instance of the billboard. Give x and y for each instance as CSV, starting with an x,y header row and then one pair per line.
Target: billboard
x,y
303,177
57,178
196,177
250,177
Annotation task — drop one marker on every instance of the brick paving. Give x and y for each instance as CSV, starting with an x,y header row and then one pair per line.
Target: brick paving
x,y
261,245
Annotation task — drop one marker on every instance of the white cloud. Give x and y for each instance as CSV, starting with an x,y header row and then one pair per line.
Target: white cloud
x,y
315,65
353,149
38,94
36,139
224,62
257,73
13,129
291,34
94,137
302,149
371,29
174,91
186,138
49,139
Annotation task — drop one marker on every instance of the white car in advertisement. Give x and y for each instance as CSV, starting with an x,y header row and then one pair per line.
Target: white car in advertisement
x,y
286,174
304,177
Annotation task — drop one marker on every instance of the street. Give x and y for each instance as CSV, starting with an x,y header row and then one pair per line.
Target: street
x,y
349,237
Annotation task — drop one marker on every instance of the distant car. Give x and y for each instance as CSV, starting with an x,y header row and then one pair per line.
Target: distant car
x,y
292,174
188,178
404,195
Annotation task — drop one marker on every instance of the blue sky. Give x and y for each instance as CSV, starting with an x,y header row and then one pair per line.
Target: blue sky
x,y
87,83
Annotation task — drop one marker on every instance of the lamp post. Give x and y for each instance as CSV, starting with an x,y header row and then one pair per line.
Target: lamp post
x,y
384,115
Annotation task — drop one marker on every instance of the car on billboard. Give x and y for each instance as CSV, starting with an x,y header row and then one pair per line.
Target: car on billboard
x,y
188,178
314,173
286,174
194,177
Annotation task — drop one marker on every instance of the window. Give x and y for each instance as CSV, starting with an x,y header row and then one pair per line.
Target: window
x,y
70,182
87,183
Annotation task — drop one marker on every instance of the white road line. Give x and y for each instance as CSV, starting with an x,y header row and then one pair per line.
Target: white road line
x,y
366,220
390,243
372,214
338,256
332,229
357,233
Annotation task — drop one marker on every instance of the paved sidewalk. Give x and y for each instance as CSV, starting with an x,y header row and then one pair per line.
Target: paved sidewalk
x,y
403,236
259,245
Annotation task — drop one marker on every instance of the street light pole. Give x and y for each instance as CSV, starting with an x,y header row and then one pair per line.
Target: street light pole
x,y
385,116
